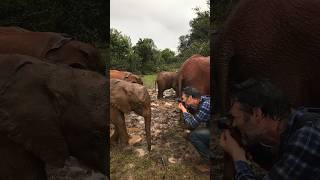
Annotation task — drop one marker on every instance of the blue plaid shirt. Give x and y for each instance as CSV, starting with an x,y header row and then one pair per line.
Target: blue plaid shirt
x,y
203,115
299,148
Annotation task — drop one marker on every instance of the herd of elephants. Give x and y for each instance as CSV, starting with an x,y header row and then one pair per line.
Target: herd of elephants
x,y
53,87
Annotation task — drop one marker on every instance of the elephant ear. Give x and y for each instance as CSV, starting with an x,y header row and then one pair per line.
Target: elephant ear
x,y
54,41
126,75
119,95
35,123
12,64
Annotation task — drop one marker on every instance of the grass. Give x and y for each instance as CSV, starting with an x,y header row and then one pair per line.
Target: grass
x,y
148,80
126,165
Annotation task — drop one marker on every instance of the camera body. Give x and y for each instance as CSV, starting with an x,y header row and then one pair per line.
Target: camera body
x,y
225,122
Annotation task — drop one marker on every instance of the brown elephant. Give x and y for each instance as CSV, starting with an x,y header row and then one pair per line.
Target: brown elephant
x,y
165,80
48,113
124,98
54,48
195,72
12,29
125,75
277,40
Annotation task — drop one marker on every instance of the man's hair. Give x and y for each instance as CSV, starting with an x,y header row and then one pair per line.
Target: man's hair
x,y
261,94
190,91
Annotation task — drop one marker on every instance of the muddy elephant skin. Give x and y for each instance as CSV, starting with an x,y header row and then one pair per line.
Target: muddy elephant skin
x,y
277,40
48,113
195,72
125,75
54,48
124,98
165,80
280,42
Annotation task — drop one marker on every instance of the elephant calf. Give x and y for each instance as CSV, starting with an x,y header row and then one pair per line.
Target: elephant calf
x,y
48,113
124,98
125,75
165,80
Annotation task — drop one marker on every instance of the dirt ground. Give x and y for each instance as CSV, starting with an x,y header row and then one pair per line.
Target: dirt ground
x,y
73,170
171,157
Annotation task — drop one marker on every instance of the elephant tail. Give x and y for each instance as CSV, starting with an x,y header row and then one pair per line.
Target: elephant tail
x,y
155,85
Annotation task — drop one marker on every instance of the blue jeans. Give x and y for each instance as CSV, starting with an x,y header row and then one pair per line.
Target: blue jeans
x,y
200,139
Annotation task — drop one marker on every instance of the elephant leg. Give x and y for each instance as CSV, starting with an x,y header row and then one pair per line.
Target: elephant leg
x,y
122,129
16,163
115,136
160,94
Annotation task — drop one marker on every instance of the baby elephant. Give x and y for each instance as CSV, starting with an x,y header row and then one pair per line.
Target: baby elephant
x,y
48,113
126,97
125,75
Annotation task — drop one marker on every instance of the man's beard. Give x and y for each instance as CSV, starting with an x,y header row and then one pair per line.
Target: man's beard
x,y
251,134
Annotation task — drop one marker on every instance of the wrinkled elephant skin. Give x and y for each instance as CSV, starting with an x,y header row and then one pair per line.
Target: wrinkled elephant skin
x,y
49,113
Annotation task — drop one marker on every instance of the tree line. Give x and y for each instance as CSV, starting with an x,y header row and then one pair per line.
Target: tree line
x,y
86,20
144,57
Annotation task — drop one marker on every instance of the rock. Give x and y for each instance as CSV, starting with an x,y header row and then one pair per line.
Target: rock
x,y
130,165
134,139
172,160
140,152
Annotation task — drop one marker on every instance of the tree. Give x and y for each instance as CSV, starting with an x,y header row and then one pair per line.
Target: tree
x,y
145,49
120,49
197,42
168,56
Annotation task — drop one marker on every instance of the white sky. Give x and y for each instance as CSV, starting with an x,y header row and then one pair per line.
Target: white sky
x,y
161,20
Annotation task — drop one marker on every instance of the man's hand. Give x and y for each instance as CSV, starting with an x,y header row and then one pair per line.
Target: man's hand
x,y
182,108
231,146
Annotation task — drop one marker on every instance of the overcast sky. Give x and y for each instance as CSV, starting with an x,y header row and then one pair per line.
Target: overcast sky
x,y
161,20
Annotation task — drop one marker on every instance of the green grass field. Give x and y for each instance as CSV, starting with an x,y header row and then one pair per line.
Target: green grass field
x,y
148,80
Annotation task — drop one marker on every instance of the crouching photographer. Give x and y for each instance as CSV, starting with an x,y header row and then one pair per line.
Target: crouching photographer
x,y
263,115
196,110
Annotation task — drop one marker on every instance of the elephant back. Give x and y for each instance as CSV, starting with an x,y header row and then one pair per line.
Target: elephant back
x,y
36,44
121,91
195,72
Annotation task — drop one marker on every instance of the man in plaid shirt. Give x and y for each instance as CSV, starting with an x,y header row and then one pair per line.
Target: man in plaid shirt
x,y
262,114
199,112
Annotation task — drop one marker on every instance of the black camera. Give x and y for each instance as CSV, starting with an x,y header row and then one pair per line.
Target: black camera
x,y
225,122
180,101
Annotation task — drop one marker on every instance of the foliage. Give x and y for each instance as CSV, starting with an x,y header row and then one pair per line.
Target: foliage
x,y
145,58
85,19
142,58
197,42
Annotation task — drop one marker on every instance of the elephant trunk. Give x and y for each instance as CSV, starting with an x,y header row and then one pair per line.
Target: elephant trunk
x,y
147,121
